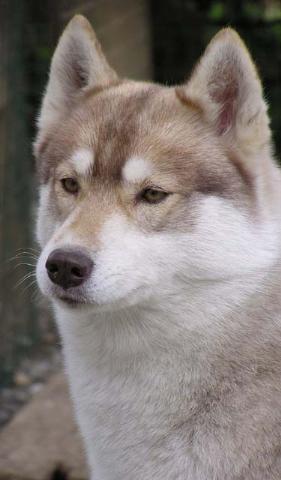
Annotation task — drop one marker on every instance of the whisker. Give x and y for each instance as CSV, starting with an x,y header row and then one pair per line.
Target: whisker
x,y
27,287
25,277
21,255
30,249
35,295
27,264
27,252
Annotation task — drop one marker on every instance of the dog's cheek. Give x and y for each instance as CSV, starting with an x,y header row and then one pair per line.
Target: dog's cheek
x,y
225,243
123,263
46,217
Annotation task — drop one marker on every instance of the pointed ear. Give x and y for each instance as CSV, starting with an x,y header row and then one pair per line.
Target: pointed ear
x,y
226,87
78,63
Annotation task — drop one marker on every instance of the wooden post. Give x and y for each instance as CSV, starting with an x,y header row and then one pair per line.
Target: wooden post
x,y
16,310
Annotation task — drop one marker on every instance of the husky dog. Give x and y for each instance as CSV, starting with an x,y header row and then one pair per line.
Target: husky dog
x,y
159,222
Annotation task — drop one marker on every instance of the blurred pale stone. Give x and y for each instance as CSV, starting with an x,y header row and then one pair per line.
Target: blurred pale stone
x,y
21,379
42,437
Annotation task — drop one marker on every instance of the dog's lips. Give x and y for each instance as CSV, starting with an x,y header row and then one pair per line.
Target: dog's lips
x,y
69,298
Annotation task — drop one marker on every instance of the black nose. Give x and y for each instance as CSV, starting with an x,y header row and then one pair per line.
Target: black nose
x,y
68,268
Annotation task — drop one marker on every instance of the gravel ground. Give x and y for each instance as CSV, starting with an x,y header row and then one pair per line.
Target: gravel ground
x,y
29,378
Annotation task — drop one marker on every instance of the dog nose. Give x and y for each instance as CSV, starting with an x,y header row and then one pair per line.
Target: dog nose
x,y
68,268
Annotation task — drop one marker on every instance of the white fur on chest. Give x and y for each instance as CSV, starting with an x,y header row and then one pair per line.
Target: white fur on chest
x,y
126,403
133,387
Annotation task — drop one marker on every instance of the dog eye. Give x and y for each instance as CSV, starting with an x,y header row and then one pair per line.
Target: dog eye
x,y
70,185
151,195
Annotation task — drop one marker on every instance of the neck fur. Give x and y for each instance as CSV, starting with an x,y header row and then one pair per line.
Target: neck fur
x,y
185,319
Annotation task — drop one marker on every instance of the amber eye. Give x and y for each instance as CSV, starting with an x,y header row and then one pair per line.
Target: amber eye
x,y
151,195
70,185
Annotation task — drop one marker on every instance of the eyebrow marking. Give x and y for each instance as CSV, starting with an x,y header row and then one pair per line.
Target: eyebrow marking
x,y
136,169
82,160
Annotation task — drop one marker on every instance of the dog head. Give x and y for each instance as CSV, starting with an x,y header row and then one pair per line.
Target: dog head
x,y
146,188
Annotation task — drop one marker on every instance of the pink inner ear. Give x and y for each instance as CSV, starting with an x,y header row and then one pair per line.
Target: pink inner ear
x,y
225,119
225,95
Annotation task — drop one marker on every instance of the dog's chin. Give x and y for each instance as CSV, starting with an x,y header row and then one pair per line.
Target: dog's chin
x,y
70,302
68,299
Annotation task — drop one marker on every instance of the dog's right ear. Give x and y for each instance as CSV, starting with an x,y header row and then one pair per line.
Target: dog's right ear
x,y
227,90
78,63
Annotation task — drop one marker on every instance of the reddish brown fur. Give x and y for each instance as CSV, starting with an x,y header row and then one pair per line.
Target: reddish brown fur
x,y
148,121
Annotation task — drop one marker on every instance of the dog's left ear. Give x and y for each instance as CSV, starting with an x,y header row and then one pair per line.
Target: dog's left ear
x,y
226,87
78,64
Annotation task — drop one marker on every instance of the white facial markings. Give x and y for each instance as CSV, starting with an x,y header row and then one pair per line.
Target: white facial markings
x,y
82,160
136,169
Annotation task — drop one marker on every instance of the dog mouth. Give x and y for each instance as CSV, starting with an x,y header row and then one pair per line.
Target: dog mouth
x,y
75,298
70,299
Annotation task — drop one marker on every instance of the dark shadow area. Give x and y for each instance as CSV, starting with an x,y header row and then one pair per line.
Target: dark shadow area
x,y
181,30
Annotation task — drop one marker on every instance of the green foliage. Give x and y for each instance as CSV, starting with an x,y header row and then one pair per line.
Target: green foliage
x,y
217,11
273,11
44,53
253,10
276,31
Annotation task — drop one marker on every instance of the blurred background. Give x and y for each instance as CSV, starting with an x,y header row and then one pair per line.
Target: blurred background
x,y
156,39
